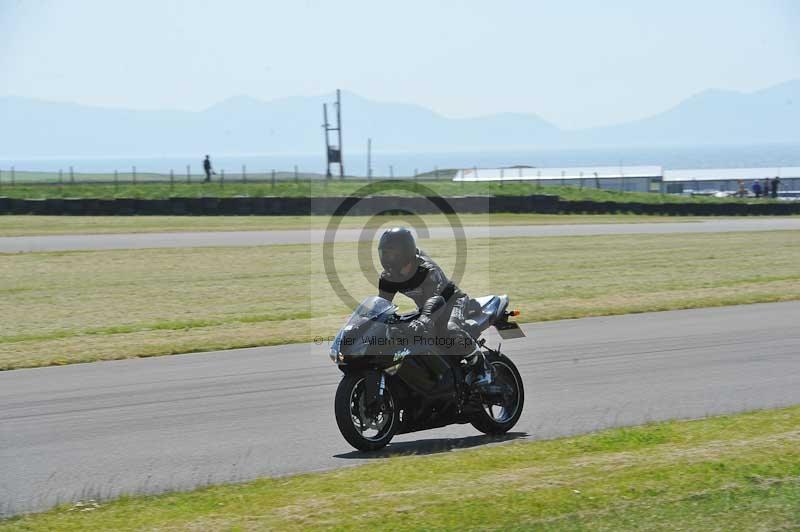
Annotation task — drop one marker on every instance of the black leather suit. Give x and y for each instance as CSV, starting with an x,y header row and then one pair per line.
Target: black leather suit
x,y
438,298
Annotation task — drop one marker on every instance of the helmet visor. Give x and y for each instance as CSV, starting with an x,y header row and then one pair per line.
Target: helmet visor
x,y
394,259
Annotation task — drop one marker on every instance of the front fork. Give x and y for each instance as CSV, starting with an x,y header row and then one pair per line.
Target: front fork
x,y
374,388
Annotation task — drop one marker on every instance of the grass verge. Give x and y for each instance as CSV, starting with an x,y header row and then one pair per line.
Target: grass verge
x,y
79,306
340,188
21,225
731,472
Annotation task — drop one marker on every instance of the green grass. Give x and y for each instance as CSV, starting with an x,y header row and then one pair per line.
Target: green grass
x,y
20,225
737,472
338,188
66,307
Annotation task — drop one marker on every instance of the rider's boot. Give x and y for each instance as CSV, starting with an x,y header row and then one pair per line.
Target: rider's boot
x,y
481,374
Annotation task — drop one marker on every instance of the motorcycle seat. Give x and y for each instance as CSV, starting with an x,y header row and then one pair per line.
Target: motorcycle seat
x,y
487,310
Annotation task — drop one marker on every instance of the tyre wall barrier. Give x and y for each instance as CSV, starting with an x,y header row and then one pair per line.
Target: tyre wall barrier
x,y
242,206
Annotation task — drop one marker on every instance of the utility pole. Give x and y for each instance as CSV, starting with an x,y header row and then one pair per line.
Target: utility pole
x,y
339,129
326,128
333,153
369,158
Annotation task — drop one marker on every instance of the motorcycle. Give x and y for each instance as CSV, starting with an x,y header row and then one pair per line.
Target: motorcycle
x,y
393,385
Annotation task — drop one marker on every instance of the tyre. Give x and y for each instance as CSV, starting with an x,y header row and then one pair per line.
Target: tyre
x,y
500,416
364,430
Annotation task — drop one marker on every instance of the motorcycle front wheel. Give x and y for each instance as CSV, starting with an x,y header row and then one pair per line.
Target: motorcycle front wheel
x,y
365,427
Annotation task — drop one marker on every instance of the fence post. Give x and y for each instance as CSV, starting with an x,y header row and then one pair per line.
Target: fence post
x,y
171,179
502,176
296,177
188,174
244,173
71,176
273,178
116,180
134,175
391,171
222,178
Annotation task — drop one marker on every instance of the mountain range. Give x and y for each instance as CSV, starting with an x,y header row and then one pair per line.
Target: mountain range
x,y
244,125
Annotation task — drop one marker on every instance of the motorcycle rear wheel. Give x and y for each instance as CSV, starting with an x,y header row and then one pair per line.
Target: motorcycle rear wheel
x,y
353,420
499,419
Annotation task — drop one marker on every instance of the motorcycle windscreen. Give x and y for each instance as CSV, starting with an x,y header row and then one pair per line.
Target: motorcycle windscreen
x,y
372,308
366,330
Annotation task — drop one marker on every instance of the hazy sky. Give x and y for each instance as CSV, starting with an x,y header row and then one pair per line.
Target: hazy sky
x,y
576,64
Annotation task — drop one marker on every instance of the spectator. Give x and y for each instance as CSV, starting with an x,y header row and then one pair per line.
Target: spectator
x,y
742,190
776,182
765,187
757,188
207,167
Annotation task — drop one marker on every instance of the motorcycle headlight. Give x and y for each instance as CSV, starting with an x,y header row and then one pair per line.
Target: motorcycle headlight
x,y
347,348
334,352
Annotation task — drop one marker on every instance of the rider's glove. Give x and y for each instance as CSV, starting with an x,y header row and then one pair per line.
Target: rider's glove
x,y
421,324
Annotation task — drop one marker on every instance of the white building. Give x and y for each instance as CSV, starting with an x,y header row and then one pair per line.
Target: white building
x,y
640,178
727,179
624,178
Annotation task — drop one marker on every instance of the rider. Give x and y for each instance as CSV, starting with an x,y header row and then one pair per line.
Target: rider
x,y
441,303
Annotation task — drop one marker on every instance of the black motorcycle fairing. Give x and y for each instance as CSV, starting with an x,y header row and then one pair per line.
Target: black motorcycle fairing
x,y
429,375
366,331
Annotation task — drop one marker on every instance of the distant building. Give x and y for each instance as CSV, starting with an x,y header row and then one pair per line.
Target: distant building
x,y
707,181
623,178
639,178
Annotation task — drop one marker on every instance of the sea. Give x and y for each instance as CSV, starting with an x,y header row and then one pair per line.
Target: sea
x,y
400,164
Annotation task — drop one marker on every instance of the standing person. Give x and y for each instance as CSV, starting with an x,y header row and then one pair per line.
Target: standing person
x,y
765,188
756,188
742,190
776,182
207,167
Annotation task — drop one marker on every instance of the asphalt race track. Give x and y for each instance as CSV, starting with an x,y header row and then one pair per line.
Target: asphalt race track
x,y
263,238
148,425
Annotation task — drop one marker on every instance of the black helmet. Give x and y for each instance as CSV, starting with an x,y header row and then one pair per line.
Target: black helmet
x,y
396,249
